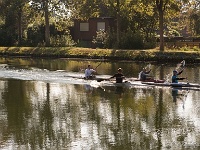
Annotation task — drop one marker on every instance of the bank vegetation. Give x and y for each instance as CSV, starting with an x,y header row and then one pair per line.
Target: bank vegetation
x,y
189,54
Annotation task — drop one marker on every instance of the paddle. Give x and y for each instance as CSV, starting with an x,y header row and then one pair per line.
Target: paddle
x,y
148,66
81,69
183,65
98,65
99,80
180,67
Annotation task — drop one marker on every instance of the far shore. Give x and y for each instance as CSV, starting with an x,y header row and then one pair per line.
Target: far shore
x,y
112,54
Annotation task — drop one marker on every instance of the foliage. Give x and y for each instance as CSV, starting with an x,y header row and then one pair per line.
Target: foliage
x,y
136,40
150,43
100,39
131,40
35,36
62,40
192,16
111,40
137,21
19,15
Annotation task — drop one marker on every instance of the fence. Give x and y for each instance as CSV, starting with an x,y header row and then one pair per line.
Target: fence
x,y
182,44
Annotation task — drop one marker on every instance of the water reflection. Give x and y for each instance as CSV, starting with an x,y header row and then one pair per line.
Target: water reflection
x,y
177,95
50,114
119,90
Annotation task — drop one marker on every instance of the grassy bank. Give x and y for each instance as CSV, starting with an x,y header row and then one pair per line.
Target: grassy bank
x,y
75,52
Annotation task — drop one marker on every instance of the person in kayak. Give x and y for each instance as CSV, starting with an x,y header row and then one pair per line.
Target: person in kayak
x,y
175,77
118,76
144,75
89,73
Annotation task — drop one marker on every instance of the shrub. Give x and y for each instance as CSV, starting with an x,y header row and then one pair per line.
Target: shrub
x,y
62,40
8,36
131,40
35,35
150,43
105,39
100,39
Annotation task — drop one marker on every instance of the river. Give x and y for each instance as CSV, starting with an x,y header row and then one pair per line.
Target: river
x,y
42,108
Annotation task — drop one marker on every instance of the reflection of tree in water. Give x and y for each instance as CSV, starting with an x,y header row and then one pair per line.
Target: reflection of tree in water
x,y
40,130
18,110
159,118
112,121
46,118
134,122
120,131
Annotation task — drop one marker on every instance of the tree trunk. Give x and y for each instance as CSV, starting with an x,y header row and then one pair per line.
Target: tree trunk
x,y
161,20
47,30
159,4
20,26
118,23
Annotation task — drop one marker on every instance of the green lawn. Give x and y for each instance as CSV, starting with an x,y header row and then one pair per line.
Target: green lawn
x,y
78,52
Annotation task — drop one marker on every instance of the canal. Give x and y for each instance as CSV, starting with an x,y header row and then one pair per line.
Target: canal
x,y
42,108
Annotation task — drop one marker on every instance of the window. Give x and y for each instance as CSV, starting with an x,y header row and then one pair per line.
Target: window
x,y
84,26
101,26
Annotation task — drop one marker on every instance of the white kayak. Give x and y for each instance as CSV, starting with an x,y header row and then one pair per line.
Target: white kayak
x,y
124,84
181,84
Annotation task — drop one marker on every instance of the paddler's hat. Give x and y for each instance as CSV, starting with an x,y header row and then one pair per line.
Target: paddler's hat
x,y
175,71
119,69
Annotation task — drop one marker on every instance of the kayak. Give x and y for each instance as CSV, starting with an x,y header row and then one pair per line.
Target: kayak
x,y
131,83
181,84
185,85
127,83
151,80
98,79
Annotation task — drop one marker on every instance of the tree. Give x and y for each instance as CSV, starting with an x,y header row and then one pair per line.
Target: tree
x,y
19,8
43,6
140,18
161,8
54,12
47,29
192,15
164,8
12,12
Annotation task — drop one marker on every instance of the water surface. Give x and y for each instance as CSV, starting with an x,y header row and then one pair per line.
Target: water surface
x,y
42,108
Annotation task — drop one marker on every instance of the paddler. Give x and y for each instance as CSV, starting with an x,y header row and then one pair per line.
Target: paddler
x,y
118,76
175,77
89,72
144,74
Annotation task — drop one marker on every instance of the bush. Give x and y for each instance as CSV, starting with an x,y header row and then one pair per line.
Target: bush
x,y
100,39
62,40
131,40
8,37
105,39
150,43
35,35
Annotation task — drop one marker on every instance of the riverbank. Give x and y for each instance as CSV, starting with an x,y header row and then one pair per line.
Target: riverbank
x,y
113,54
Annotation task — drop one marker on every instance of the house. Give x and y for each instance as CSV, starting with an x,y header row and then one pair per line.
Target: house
x,y
85,31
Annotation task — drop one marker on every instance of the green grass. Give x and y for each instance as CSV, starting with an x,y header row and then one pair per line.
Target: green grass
x,y
78,52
